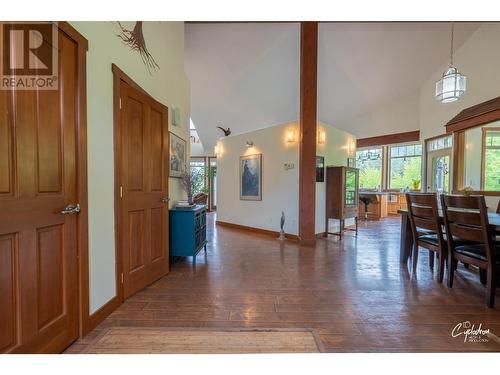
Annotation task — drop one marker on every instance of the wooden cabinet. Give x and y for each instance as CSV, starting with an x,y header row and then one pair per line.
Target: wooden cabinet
x,y
341,196
188,231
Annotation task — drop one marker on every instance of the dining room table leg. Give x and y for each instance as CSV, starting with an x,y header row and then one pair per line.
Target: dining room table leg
x,y
406,238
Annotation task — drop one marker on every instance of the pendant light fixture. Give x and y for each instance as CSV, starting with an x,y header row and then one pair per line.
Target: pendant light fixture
x,y
452,85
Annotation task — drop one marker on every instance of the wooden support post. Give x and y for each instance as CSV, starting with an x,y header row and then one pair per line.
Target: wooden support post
x,y
307,148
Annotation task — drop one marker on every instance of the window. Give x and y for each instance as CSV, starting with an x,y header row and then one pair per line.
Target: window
x,y
197,168
440,143
369,162
491,161
405,166
439,151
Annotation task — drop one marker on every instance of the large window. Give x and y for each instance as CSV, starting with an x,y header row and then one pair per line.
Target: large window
x,y
491,162
369,162
405,166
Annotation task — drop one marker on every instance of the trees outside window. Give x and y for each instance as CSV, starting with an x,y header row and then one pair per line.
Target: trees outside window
x,y
405,166
491,162
369,162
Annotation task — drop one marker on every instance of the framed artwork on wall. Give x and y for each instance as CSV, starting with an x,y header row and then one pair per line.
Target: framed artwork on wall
x,y
177,159
320,169
251,177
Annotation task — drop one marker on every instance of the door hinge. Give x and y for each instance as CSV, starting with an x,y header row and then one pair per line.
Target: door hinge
x,y
121,191
121,277
120,103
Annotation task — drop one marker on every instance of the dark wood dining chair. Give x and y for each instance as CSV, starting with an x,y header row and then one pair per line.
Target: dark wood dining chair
x,y
426,229
498,207
466,218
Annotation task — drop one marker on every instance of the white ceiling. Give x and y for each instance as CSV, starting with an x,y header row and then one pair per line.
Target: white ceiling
x,y
246,75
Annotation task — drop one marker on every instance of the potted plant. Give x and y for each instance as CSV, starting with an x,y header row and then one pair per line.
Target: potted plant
x,y
416,185
467,191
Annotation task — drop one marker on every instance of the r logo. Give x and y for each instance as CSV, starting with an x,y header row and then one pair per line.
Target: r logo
x,y
29,55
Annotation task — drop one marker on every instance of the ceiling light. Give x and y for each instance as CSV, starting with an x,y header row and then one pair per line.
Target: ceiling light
x,y
453,84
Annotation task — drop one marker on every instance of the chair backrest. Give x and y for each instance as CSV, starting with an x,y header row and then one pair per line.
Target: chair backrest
x,y
466,217
424,213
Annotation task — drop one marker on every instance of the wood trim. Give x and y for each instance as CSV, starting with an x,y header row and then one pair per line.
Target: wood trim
x,y
483,153
209,201
477,115
129,81
103,312
118,76
458,161
308,127
265,232
82,175
382,140
74,35
425,183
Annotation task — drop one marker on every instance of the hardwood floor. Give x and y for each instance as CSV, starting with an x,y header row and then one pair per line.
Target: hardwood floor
x,y
354,293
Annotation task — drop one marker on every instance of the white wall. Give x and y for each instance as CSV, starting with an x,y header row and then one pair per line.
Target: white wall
x,y
338,147
397,116
478,59
280,188
168,85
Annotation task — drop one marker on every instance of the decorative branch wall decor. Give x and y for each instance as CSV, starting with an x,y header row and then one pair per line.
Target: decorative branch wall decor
x,y
135,40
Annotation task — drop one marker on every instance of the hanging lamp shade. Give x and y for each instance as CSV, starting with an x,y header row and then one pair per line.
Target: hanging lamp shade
x,y
451,86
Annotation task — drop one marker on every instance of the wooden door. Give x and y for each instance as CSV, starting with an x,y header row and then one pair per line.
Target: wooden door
x,y
38,244
144,150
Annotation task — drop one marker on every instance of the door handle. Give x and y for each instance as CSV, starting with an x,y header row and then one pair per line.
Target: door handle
x,y
71,209
165,200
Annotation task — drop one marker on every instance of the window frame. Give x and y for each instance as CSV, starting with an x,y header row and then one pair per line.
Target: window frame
x,y
382,165
485,130
390,157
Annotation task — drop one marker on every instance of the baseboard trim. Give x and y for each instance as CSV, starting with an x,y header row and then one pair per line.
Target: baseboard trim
x,y
266,232
102,313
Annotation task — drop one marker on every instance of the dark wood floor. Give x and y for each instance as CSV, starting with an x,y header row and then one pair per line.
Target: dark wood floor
x,y
354,292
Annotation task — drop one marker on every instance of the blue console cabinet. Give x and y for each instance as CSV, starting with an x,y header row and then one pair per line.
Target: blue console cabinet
x,y
188,231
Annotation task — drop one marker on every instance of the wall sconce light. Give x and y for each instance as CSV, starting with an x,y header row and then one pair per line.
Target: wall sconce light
x,y
249,144
321,137
216,150
352,147
290,135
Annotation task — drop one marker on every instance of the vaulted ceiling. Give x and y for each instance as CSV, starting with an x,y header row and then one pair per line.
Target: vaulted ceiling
x,y
246,75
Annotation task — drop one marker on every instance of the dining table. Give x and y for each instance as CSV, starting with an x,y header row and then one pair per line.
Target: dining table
x,y
406,243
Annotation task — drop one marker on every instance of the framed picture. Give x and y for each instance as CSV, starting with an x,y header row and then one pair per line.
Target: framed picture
x,y
251,177
351,162
320,169
177,160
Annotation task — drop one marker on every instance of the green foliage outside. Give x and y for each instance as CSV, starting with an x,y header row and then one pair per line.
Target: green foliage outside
x,y
370,177
492,170
403,172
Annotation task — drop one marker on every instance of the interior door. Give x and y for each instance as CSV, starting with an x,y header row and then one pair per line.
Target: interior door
x,y
144,129
38,243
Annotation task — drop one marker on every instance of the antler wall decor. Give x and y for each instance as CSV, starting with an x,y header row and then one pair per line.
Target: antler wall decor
x,y
135,40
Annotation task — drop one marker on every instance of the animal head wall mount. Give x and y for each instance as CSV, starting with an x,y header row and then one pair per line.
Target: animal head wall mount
x,y
134,39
